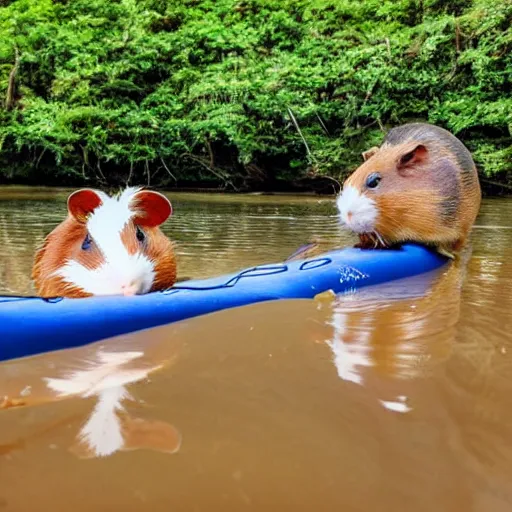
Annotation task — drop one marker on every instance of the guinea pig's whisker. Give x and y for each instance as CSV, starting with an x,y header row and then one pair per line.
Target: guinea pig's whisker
x,y
380,239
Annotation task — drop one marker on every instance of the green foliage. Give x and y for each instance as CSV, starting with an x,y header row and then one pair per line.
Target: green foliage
x,y
245,92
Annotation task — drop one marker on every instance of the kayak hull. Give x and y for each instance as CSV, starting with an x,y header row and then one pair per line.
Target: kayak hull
x,y
31,325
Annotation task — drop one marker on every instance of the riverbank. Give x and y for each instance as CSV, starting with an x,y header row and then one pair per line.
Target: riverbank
x,y
244,95
326,187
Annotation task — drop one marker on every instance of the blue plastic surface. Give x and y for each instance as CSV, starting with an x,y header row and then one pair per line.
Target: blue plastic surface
x,y
31,325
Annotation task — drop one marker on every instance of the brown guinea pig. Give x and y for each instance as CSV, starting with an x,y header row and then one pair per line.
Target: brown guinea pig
x,y
107,246
421,185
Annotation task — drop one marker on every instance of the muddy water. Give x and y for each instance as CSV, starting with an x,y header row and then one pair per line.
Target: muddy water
x,y
394,399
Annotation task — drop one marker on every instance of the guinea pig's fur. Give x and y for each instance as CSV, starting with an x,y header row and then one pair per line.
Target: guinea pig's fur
x,y
107,246
421,185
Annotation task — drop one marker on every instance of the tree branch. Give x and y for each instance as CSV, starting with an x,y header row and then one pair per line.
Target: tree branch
x,y
10,98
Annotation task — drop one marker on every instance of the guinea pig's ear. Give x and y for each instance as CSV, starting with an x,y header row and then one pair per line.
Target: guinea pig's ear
x,y
412,158
152,208
369,153
82,203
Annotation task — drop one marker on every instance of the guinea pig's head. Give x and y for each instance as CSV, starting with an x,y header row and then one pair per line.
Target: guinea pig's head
x,y
111,245
392,195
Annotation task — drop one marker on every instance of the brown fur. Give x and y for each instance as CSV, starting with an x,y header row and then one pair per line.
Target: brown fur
x,y
61,244
65,242
431,196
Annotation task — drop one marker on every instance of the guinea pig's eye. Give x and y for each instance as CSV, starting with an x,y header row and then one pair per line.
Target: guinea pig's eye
x,y
86,244
140,235
373,180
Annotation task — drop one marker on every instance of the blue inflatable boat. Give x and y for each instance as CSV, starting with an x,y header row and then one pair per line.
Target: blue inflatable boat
x,y
31,325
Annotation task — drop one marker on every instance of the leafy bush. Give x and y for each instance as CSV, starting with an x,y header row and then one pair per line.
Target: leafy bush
x,y
244,93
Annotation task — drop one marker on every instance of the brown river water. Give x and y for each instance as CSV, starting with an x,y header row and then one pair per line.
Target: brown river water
x,y
394,399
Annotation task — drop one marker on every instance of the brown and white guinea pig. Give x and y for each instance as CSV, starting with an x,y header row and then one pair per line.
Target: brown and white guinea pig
x,y
421,185
107,246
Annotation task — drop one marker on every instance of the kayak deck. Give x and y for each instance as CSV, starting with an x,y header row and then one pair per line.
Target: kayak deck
x,y
32,325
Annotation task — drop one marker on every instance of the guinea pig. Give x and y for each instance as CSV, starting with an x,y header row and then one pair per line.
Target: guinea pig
x,y
107,246
421,185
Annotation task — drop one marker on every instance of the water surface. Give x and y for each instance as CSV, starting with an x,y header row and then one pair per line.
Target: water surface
x,y
214,233
394,399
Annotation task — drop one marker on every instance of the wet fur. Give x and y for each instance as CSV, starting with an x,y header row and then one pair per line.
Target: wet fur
x,y
434,200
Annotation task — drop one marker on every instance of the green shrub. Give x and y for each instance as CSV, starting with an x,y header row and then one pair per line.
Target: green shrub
x,y
244,92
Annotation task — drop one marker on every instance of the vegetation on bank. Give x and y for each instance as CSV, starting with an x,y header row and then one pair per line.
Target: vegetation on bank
x,y
244,93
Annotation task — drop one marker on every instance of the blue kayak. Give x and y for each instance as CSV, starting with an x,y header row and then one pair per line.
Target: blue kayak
x,y
31,325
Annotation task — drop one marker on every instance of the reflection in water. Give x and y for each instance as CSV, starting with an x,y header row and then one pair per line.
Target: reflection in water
x,y
397,331
396,398
109,428
94,372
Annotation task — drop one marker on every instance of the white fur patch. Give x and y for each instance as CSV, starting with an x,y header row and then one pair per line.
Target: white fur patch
x,y
120,268
357,211
349,358
398,405
105,378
